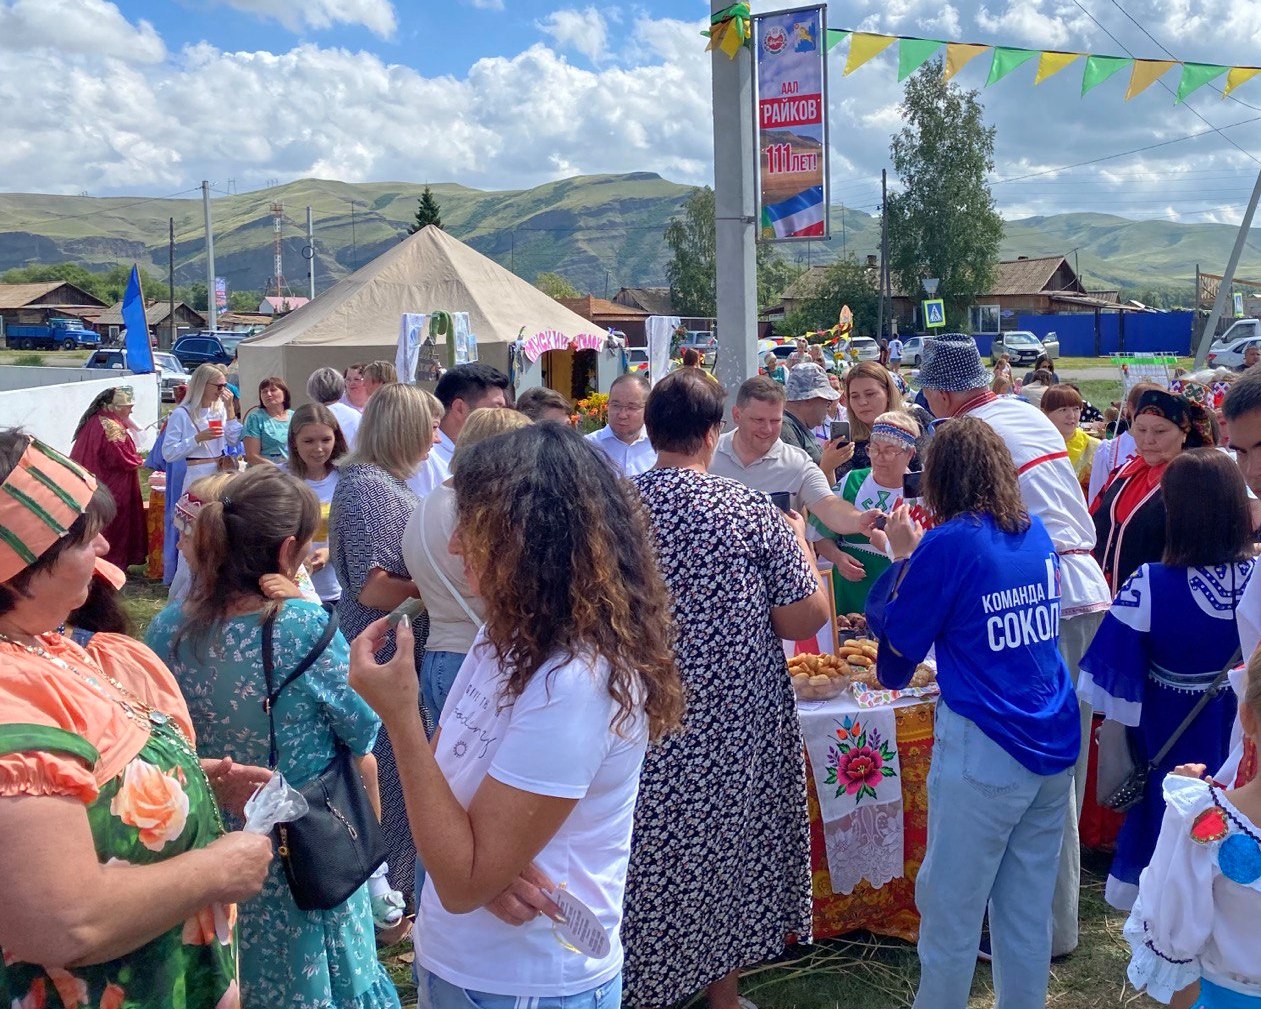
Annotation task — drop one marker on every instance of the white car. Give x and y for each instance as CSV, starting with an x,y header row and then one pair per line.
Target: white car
x,y
1023,347
637,359
867,349
171,373
1230,354
913,348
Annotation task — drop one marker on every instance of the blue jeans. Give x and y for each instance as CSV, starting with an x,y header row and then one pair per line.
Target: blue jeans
x,y
994,835
437,673
434,993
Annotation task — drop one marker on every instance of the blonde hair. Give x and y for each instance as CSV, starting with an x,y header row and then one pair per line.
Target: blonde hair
x,y
396,433
877,372
210,488
1252,690
436,410
486,422
202,377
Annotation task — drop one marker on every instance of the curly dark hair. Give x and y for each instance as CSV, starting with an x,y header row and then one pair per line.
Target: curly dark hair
x,y
968,470
557,541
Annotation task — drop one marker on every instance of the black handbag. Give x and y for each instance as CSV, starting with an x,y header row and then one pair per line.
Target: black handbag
x,y
1129,793
331,851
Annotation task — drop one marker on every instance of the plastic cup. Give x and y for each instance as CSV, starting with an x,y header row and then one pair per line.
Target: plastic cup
x,y
215,427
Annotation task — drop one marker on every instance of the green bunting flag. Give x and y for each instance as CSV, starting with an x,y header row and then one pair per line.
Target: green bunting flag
x,y
1006,59
1196,75
1100,68
835,37
913,54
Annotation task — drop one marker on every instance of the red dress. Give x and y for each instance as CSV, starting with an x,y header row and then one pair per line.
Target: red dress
x,y
105,448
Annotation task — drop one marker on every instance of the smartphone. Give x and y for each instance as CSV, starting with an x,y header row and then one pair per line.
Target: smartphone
x,y
410,608
911,485
782,500
882,521
840,430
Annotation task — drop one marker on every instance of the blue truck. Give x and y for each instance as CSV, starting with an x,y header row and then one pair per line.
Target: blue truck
x,y
56,334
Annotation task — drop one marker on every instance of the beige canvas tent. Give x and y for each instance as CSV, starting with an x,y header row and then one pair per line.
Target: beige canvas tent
x,y
358,319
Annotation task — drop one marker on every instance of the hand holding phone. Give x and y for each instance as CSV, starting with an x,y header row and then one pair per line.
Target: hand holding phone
x,y
782,500
840,430
912,485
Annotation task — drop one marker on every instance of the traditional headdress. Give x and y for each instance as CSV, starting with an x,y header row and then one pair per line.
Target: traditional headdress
x,y
1181,410
124,395
39,502
892,434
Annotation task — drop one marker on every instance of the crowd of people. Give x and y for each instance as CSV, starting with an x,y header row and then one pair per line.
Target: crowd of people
x,y
555,666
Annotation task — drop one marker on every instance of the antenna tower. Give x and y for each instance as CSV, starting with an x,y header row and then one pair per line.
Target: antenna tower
x,y
278,216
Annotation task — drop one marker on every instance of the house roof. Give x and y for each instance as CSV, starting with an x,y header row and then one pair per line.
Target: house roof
x,y
23,295
155,314
603,310
288,303
1012,278
653,300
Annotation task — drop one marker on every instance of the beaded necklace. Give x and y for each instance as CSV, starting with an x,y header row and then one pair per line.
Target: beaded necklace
x,y
135,708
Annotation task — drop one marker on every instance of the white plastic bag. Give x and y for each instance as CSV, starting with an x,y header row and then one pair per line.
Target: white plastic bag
x,y
273,803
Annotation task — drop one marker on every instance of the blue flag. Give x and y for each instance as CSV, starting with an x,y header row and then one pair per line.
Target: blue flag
x,y
137,351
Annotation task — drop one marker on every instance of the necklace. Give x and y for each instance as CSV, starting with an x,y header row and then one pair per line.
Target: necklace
x,y
134,707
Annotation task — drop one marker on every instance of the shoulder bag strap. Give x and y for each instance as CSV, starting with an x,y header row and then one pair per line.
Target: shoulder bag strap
x,y
269,668
442,575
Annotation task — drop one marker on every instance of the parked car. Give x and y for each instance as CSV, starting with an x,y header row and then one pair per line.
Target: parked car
x,y
786,350
1227,350
171,375
867,348
56,334
638,359
207,348
1023,347
704,342
913,348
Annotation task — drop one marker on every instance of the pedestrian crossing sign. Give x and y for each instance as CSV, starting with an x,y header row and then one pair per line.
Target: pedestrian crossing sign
x,y
934,313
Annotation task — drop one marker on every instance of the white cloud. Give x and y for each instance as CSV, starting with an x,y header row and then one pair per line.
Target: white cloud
x,y
298,15
485,5
583,31
76,27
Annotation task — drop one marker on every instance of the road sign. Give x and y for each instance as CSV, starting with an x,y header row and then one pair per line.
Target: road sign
x,y
930,285
934,313
1238,299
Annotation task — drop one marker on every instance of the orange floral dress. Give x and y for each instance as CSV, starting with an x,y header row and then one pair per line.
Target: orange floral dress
x,y
146,798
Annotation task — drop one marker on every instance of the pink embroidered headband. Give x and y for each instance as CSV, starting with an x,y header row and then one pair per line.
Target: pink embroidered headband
x,y
39,502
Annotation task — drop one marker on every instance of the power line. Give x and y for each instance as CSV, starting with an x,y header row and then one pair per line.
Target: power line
x,y
1160,45
1161,82
125,206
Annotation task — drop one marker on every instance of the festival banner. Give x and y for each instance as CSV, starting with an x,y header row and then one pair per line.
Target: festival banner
x,y
791,103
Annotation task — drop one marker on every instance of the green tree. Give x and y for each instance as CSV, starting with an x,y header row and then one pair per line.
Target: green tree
x,y
692,270
844,282
244,301
556,286
427,212
943,223
71,273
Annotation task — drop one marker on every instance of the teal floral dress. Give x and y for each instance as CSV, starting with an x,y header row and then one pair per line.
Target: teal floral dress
x,y
290,958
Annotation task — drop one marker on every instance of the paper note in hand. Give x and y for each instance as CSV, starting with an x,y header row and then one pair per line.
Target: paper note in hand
x,y
579,927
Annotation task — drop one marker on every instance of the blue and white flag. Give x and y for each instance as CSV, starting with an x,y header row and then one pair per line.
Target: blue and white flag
x,y
137,350
799,216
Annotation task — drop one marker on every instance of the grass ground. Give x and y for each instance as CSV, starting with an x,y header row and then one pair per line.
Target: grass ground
x,y
1067,363
41,358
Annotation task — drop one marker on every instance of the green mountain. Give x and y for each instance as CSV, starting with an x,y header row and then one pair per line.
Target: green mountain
x,y
602,232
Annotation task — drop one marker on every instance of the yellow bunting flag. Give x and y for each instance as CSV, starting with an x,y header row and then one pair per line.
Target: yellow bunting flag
x,y
863,46
1145,74
1051,63
1239,75
959,54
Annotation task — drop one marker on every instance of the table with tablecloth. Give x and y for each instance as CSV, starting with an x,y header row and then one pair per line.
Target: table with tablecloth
x,y
155,528
887,909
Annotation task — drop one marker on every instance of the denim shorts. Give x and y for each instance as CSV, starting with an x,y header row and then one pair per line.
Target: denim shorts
x,y
434,993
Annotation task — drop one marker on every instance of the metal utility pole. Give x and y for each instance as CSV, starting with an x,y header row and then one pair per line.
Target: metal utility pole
x,y
884,251
213,313
736,236
170,277
310,253
1223,288
844,244
354,244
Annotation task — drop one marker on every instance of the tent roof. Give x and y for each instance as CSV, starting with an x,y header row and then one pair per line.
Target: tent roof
x,y
429,271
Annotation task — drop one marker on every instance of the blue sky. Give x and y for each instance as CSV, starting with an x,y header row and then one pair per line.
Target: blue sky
x,y
121,97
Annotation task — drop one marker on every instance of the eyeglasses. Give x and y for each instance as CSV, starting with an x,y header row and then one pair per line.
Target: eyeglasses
x,y
625,408
219,385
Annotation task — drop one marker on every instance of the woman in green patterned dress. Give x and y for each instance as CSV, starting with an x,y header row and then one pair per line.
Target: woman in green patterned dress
x,y
120,882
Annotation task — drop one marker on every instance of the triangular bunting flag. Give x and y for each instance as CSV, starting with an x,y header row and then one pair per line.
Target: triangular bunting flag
x,y
1006,59
959,54
1239,75
1145,74
835,37
1052,63
863,46
913,54
1100,68
1195,76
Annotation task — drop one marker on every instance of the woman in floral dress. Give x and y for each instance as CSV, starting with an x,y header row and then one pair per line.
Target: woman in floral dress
x,y
112,850
247,546
720,860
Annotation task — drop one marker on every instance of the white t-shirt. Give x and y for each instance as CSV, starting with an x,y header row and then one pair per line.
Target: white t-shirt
x,y
895,349
555,739
348,419
324,580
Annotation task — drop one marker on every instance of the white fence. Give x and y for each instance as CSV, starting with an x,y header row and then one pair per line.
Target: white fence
x,y
48,402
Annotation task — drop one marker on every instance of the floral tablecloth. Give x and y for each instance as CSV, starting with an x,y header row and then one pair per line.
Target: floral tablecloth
x,y
890,908
155,530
